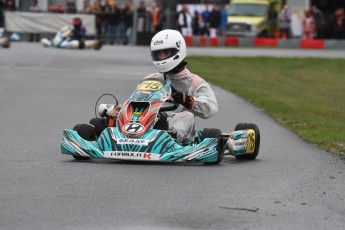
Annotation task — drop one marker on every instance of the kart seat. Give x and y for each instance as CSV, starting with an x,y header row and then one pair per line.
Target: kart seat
x,y
162,124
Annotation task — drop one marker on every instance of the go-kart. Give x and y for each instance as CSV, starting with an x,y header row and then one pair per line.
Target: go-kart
x,y
5,42
62,39
141,133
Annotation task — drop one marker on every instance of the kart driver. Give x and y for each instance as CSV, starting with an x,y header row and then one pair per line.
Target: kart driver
x,y
78,32
194,94
168,49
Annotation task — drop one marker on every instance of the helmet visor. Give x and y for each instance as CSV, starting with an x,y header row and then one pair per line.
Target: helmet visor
x,y
159,55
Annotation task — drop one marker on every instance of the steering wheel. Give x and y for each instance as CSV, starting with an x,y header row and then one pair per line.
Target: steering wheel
x,y
173,105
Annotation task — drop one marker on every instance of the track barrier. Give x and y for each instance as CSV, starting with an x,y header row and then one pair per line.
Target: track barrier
x,y
203,41
312,44
265,42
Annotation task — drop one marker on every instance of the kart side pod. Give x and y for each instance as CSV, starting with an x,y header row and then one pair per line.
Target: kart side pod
x,y
244,142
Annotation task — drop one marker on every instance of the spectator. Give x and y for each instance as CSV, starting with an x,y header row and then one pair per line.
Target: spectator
x,y
223,20
110,20
158,18
35,8
308,25
71,8
58,8
285,21
129,23
205,21
10,6
151,9
197,23
97,9
214,21
320,23
86,8
338,24
141,11
185,20
121,26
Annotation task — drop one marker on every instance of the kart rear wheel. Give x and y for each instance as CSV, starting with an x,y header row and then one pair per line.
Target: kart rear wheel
x,y
98,45
86,132
244,126
215,133
6,43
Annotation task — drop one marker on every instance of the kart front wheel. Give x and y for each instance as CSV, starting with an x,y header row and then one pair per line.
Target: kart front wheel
x,y
244,126
87,132
215,133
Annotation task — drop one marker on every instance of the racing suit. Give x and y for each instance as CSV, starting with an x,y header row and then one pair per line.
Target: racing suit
x,y
78,34
181,121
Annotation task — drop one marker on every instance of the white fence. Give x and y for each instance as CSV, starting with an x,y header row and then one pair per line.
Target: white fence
x,y
32,22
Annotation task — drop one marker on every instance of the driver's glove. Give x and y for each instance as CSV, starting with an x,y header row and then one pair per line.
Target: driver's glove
x,y
183,99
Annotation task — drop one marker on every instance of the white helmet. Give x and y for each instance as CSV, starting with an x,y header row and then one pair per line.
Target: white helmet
x,y
168,40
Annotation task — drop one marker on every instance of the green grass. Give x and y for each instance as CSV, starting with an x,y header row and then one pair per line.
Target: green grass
x,y
307,95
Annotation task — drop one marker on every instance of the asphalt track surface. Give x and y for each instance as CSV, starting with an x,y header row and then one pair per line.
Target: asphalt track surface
x,y
291,185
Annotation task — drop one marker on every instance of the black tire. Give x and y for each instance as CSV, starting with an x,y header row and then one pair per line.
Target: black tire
x,y
86,132
215,133
98,45
99,125
81,158
6,44
244,126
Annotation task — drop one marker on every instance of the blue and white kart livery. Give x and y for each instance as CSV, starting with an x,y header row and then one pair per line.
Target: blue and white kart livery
x,y
139,134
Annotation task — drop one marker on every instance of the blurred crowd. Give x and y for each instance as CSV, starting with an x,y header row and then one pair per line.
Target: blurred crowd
x,y
314,24
114,22
211,21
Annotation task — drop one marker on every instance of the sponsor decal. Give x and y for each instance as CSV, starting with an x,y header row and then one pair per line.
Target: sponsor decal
x,y
150,86
73,148
130,155
241,143
178,44
240,134
196,156
145,92
133,128
158,42
251,142
126,141
137,113
205,153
